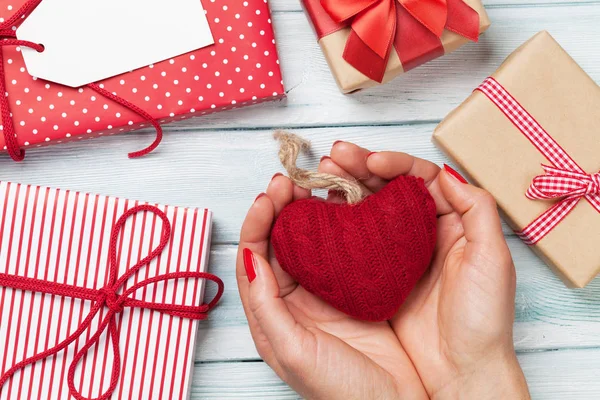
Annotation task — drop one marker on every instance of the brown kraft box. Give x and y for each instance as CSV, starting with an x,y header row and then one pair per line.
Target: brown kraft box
x,y
496,156
350,80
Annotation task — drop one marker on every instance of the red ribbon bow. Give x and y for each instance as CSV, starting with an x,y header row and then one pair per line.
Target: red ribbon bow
x,y
559,183
413,26
564,180
8,38
109,297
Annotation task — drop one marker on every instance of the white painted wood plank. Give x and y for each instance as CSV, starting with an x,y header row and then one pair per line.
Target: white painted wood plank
x,y
427,93
238,380
549,316
566,374
223,171
294,5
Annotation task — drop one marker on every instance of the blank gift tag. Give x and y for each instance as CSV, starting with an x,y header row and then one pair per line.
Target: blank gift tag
x,y
87,41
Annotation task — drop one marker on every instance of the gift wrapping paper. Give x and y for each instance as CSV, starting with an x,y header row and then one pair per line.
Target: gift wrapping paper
x,y
333,38
63,236
240,69
562,100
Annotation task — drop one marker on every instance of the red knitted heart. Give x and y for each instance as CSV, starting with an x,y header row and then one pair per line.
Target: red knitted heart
x,y
363,259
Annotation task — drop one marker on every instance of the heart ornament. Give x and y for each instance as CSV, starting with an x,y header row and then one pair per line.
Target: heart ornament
x,y
365,258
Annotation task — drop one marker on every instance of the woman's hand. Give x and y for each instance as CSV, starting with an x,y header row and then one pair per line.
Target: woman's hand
x,y
456,326
319,351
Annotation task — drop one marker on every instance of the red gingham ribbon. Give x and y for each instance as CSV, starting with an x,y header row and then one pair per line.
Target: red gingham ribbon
x,y
564,179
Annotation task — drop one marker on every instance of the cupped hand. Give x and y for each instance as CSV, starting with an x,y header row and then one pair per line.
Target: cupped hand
x,y
456,326
319,351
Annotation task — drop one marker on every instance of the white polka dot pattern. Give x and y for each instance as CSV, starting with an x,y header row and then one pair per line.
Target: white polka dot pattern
x,y
240,69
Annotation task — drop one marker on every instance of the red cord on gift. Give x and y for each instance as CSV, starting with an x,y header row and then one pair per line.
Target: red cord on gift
x,y
109,297
8,38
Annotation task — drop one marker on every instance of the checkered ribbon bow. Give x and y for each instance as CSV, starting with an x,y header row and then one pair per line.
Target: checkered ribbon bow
x,y
564,181
561,184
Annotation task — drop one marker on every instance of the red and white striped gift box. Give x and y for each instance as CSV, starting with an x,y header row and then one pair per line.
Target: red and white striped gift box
x,y
63,236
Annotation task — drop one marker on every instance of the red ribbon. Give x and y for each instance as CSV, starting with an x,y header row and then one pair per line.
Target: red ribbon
x,y
559,183
413,27
8,38
109,297
564,180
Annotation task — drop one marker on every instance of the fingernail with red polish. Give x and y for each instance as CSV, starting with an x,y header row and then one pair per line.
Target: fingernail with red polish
x,y
325,158
337,141
259,196
455,174
249,264
276,175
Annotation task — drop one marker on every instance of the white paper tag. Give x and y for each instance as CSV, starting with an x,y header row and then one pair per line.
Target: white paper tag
x,y
90,40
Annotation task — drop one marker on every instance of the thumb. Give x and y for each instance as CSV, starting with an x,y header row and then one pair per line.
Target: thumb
x,y
279,326
477,208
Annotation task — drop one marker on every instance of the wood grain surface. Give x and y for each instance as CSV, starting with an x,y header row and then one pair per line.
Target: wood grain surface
x,y
224,160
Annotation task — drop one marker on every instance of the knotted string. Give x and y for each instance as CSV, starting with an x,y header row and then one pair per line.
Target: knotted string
x,y
8,38
108,296
291,146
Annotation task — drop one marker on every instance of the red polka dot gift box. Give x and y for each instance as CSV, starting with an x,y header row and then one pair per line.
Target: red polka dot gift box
x,y
241,68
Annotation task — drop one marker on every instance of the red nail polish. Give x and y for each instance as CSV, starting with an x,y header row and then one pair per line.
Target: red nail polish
x,y
337,141
259,196
325,158
276,175
455,174
249,264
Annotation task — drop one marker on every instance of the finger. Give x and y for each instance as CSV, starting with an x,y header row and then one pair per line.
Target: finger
x,y
301,193
281,192
390,164
328,166
255,235
298,192
487,267
284,333
478,211
353,159
256,228
449,232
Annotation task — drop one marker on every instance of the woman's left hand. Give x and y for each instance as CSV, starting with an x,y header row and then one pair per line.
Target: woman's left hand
x,y
319,351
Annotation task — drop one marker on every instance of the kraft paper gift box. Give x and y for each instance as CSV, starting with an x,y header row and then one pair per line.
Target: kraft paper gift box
x,y
240,69
333,38
539,90
57,270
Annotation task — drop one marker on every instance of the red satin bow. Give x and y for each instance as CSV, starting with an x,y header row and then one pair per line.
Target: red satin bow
x,y
109,297
413,26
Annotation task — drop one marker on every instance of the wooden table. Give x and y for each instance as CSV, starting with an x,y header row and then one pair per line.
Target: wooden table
x,y
223,161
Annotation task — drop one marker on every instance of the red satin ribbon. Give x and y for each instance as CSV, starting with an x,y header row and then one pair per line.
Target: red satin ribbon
x,y
413,27
109,297
8,38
